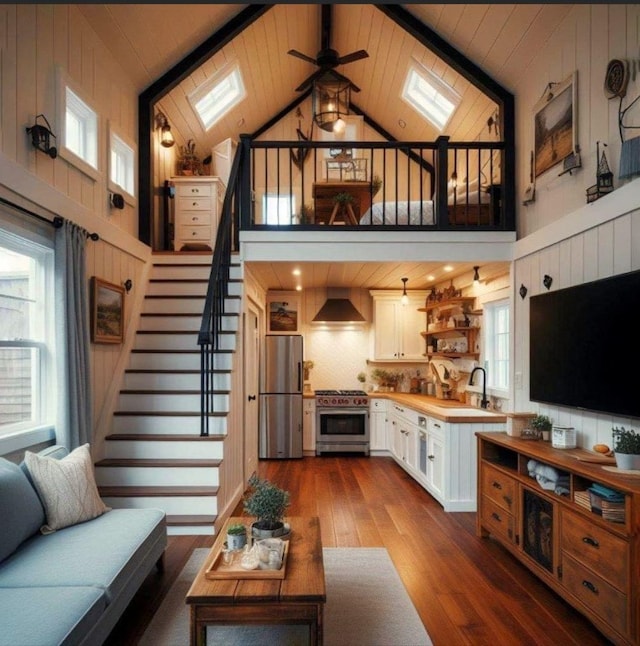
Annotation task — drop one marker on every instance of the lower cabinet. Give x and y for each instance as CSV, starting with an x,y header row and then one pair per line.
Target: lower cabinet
x,y
377,425
309,426
587,555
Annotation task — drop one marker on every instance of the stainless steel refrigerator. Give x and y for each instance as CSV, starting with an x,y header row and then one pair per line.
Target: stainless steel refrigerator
x,y
281,397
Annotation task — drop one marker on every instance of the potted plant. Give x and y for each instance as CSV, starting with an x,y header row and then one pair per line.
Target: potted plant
x,y
626,448
267,503
236,536
362,378
542,424
376,185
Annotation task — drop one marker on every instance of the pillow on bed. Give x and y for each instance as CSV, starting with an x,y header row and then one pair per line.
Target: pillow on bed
x,y
67,488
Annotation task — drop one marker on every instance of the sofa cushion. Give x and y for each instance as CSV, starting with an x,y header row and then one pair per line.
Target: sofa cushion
x,y
103,552
37,616
67,487
21,513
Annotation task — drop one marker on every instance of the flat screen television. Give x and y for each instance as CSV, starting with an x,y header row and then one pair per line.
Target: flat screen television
x,y
584,349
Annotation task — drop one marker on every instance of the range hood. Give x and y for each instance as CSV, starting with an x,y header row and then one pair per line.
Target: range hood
x,y
338,309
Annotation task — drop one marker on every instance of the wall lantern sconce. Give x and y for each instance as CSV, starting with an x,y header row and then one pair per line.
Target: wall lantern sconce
x,y
116,200
331,99
405,297
547,280
476,276
523,291
166,136
128,285
41,137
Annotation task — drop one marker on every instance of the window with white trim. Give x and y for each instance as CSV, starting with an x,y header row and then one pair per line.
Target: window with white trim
x,y
430,96
496,343
27,371
278,209
122,165
78,123
217,95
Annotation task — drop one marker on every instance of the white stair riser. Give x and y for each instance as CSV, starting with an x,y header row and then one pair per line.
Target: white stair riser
x,y
190,530
168,403
184,341
159,450
172,505
173,381
156,476
166,272
175,288
193,305
186,323
165,361
161,425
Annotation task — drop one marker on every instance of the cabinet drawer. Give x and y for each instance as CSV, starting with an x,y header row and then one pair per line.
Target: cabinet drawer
x,y
499,487
607,555
194,218
497,520
193,190
378,405
185,234
193,204
435,426
603,599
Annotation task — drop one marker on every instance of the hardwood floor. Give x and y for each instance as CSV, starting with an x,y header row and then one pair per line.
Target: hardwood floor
x,y
467,590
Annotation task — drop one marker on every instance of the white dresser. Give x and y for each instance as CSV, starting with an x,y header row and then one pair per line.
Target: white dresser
x,y
196,212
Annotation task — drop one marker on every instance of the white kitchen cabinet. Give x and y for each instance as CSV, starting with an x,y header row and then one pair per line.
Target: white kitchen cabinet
x,y
431,454
397,327
196,211
309,426
405,441
378,424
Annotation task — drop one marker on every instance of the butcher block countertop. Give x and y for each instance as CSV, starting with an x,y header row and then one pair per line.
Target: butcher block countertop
x,y
442,409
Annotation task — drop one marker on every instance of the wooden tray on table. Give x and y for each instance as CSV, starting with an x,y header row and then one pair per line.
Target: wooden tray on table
x,y
220,570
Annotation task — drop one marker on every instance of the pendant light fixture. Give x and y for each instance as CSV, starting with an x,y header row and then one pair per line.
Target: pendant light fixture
x,y
476,276
405,297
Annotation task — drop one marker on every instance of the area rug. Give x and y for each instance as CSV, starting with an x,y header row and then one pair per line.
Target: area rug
x,y
367,605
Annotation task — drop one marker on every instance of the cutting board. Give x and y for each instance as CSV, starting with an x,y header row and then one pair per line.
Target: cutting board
x,y
591,456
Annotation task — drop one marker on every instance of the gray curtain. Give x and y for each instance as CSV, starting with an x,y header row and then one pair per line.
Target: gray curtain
x,y
74,425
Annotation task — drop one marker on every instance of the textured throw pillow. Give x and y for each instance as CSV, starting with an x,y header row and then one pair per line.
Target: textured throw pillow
x,y
67,487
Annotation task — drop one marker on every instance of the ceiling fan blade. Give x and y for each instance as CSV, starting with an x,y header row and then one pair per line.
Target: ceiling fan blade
x,y
354,56
304,57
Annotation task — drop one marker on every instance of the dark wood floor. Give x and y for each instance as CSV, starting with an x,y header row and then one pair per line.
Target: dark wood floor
x,y
467,590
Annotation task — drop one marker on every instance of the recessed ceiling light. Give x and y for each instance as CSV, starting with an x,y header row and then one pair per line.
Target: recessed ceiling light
x,y
298,288
431,277
296,272
448,268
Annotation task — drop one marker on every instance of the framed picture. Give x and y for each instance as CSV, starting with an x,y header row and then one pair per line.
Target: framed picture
x,y
283,313
107,311
555,123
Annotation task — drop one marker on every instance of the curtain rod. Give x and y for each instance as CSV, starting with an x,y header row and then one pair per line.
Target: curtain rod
x,y
57,221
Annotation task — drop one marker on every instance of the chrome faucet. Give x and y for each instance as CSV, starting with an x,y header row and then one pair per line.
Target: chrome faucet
x,y
485,402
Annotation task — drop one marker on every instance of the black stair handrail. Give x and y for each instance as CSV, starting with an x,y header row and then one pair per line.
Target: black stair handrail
x,y
218,289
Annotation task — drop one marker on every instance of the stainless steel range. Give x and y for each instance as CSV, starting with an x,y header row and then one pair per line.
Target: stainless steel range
x,y
342,421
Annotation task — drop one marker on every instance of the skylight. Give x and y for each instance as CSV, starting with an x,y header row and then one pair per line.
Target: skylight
x,y
217,95
430,96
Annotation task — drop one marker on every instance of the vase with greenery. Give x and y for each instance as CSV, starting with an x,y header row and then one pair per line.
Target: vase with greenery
x,y
386,379
343,198
626,448
362,378
267,503
542,424
236,536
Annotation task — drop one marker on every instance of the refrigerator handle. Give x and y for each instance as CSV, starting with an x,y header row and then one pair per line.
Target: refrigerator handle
x,y
300,376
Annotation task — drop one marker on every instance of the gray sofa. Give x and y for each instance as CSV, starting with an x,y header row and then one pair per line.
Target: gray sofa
x,y
70,586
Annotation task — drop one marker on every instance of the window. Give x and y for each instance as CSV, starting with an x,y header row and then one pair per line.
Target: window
x,y
278,209
217,95
78,126
430,96
26,340
496,341
122,165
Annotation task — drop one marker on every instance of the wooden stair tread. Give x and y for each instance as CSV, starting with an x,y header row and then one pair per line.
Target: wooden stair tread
x,y
142,391
177,314
192,332
176,372
118,491
159,462
166,437
163,351
179,280
177,413
194,519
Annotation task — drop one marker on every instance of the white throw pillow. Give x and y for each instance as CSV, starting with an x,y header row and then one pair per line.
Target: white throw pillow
x,y
67,488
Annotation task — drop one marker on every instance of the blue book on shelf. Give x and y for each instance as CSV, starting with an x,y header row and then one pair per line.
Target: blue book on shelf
x,y
606,493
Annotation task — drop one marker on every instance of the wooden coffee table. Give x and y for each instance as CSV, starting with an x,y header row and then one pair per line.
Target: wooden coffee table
x,y
298,598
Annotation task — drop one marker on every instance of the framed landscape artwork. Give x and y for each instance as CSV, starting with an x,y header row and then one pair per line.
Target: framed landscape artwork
x,y
555,119
283,313
107,311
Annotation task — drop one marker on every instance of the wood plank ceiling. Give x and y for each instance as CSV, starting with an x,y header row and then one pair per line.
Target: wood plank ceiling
x,y
149,39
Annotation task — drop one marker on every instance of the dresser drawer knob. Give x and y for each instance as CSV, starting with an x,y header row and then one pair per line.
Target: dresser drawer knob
x,y
194,204
496,485
590,541
496,517
590,586
507,499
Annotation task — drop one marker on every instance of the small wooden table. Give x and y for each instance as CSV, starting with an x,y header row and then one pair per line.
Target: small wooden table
x,y
327,210
298,598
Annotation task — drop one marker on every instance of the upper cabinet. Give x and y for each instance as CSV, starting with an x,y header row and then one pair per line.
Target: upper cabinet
x,y
396,327
452,328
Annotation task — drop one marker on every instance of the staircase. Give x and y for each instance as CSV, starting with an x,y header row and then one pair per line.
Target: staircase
x,y
155,456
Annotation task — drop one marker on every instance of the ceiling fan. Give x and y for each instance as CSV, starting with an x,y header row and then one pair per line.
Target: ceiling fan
x,y
327,58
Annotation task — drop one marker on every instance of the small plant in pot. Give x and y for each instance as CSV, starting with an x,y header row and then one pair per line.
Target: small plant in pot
x,y
542,424
626,448
267,503
236,536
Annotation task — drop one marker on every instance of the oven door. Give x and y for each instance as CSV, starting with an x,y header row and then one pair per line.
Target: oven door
x,y
342,429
